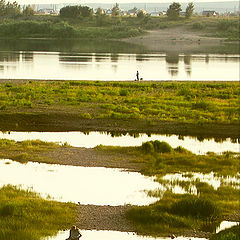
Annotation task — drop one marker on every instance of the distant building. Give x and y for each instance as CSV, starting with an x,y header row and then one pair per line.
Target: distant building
x,y
133,12
209,13
182,13
163,13
155,14
46,11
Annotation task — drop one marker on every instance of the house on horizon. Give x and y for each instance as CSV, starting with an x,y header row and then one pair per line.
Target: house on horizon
x,y
209,13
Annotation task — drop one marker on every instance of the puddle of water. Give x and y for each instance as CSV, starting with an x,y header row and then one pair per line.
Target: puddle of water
x,y
210,179
225,225
98,186
113,235
92,139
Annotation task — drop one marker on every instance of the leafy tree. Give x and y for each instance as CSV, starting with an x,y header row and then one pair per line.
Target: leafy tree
x,y
9,9
174,10
100,11
140,14
28,11
189,10
116,10
75,11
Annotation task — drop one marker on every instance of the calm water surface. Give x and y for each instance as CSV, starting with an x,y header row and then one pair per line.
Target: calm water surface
x,y
112,235
98,186
92,139
117,66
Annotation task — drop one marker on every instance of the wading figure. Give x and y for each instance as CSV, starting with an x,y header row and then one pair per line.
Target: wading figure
x,y
74,233
137,75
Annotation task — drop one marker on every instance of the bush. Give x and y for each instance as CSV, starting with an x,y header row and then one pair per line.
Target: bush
x,y
195,207
198,26
156,146
162,147
147,147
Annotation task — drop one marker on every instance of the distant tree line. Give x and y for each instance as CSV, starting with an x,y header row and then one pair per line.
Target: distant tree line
x,y
8,9
175,9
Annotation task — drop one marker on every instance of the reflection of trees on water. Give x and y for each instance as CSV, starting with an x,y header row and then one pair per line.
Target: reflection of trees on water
x,y
75,58
9,57
27,56
207,58
114,57
187,64
172,61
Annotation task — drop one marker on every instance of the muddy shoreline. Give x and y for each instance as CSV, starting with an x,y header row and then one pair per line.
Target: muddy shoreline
x,y
64,121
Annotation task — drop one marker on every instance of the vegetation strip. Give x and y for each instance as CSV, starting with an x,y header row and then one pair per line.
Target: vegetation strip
x,y
183,107
25,215
174,213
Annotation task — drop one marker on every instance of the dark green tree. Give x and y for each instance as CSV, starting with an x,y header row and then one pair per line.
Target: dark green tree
x,y
174,10
140,14
116,10
9,9
75,11
28,11
189,10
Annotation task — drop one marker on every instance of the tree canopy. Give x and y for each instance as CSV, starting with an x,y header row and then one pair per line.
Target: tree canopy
x,y
9,9
116,10
75,11
189,10
174,10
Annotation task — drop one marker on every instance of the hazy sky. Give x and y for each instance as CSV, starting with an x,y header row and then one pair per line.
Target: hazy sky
x,y
110,1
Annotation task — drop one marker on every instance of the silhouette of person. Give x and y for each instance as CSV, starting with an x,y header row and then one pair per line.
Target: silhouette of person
x,y
137,75
74,233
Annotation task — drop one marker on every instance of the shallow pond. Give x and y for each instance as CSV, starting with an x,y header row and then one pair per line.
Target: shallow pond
x,y
92,139
98,186
113,235
111,66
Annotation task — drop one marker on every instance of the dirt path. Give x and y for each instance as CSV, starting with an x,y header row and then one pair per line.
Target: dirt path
x,y
91,157
176,39
112,218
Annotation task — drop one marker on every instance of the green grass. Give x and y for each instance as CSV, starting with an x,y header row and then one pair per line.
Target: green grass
x,y
194,102
26,150
25,215
230,234
179,213
102,27
159,159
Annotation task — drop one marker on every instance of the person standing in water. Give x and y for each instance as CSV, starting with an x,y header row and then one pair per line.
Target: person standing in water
x,y
74,233
137,75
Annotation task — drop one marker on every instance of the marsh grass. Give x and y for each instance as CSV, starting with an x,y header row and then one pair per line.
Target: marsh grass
x,y
25,215
196,103
169,215
26,150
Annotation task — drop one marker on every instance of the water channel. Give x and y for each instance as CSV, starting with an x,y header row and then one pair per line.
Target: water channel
x,y
92,139
122,66
111,60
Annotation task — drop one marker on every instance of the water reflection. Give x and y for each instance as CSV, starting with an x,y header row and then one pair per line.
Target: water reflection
x,y
92,139
97,186
113,235
117,66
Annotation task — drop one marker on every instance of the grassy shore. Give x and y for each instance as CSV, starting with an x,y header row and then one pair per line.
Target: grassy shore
x,y
174,213
25,215
183,106
105,27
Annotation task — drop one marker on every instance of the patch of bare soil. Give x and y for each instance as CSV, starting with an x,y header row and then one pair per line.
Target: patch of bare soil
x,y
113,218
90,157
176,39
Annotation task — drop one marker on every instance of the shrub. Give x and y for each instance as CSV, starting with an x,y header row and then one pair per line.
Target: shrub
x,y
198,25
162,147
195,207
7,210
147,147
